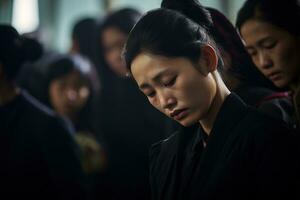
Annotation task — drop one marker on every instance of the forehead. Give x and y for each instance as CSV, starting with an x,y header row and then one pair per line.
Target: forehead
x,y
254,29
110,34
146,66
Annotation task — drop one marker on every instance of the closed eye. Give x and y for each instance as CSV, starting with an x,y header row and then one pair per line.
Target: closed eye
x,y
252,52
170,82
150,94
269,45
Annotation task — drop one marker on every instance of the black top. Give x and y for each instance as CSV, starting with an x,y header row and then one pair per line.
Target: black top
x,y
38,156
247,156
275,104
130,125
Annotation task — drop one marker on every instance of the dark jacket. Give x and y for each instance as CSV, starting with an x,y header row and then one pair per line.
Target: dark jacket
x,y
248,156
273,103
39,159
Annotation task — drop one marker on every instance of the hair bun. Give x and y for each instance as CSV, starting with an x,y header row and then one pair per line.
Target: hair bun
x,y
191,9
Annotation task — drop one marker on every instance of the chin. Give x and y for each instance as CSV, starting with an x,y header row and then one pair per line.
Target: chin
x,y
187,122
280,84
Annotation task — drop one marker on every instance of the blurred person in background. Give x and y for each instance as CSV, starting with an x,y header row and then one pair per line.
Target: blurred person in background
x,y
129,124
39,158
71,85
71,89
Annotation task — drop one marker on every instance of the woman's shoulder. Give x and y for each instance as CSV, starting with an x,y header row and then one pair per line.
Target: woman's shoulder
x,y
39,117
165,150
165,146
161,155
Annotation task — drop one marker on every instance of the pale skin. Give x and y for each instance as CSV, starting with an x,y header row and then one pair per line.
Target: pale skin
x,y
189,92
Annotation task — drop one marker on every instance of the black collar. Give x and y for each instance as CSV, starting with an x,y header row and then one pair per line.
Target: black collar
x,y
231,111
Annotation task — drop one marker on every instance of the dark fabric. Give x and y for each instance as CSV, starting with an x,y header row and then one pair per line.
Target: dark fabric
x,y
268,101
248,156
296,103
39,159
130,125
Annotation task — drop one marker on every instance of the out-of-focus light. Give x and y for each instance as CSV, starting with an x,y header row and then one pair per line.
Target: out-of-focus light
x,y
25,15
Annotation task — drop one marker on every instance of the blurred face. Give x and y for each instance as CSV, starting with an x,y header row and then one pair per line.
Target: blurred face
x,y
113,40
175,86
274,51
68,94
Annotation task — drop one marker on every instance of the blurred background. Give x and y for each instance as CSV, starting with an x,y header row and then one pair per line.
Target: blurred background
x,y
52,20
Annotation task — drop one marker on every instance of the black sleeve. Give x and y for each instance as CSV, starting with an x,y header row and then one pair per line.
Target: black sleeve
x,y
61,155
153,155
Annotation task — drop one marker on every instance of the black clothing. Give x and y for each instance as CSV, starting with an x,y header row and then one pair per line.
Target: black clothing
x,y
38,156
275,104
130,125
247,156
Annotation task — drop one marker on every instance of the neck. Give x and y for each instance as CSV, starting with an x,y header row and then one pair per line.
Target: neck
x,y
8,92
221,93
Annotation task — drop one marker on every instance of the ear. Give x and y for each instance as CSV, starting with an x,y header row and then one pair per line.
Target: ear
x,y
209,60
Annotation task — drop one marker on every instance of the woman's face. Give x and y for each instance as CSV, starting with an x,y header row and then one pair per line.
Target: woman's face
x,y
274,51
175,86
68,94
113,40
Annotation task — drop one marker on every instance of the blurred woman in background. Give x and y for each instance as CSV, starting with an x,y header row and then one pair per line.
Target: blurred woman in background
x,y
71,89
272,39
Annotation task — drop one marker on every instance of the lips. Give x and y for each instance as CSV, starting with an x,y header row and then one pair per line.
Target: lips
x,y
274,76
179,114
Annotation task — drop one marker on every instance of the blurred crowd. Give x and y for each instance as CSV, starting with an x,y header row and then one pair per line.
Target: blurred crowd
x,y
75,125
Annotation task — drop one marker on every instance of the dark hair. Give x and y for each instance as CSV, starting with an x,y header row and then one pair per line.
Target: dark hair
x,y
284,15
84,34
191,9
64,65
16,50
225,36
123,19
168,33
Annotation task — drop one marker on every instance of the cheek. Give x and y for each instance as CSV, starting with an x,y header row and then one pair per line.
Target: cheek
x,y
155,103
201,94
84,95
288,59
109,57
54,96
256,63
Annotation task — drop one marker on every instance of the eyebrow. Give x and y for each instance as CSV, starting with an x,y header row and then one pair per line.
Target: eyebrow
x,y
155,78
264,40
259,43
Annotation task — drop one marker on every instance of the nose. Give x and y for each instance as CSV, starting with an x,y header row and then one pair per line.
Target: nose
x,y
264,60
71,95
167,101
